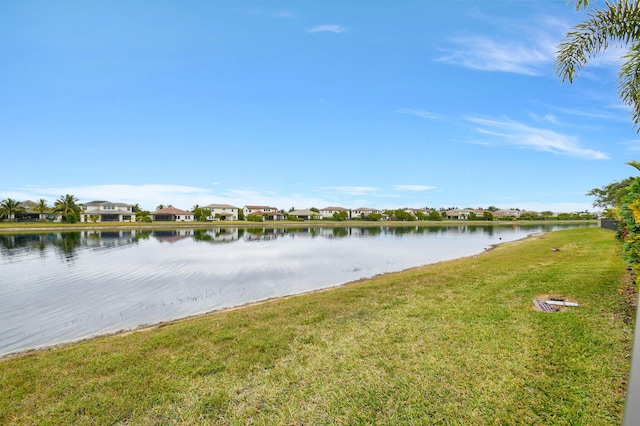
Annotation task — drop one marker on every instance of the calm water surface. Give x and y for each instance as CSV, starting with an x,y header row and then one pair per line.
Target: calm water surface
x,y
60,287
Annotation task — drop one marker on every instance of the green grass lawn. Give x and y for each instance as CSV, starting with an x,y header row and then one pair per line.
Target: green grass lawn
x,y
452,343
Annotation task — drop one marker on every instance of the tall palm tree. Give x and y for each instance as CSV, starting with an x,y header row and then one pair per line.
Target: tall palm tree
x,y
617,23
10,208
67,207
42,207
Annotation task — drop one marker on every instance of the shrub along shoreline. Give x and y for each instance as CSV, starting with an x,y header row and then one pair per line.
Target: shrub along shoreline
x,y
14,227
454,342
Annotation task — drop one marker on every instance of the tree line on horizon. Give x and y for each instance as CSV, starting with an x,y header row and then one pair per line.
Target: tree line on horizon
x,y
68,208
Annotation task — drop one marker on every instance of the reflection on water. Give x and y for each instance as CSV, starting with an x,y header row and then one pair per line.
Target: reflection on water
x,y
63,286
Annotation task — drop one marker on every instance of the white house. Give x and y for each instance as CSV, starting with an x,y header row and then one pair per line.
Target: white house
x,y
363,212
172,214
416,212
222,212
247,210
267,212
458,214
463,214
507,213
305,214
328,212
106,211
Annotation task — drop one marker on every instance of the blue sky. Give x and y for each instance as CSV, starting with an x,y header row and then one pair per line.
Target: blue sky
x,y
381,104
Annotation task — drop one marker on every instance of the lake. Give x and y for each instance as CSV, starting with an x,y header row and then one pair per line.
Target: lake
x,y
64,286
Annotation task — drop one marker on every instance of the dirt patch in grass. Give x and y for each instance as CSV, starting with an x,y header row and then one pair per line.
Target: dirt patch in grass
x,y
629,292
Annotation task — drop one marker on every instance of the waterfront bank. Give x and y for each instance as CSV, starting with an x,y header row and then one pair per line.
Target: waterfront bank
x,y
458,341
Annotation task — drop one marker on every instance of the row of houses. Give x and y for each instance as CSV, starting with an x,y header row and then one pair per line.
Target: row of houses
x,y
121,212
228,212
107,211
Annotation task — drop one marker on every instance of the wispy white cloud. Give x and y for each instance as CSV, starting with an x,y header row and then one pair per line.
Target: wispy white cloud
x,y
283,14
413,187
632,145
485,54
420,113
601,114
521,49
353,190
521,135
528,49
559,207
327,28
545,118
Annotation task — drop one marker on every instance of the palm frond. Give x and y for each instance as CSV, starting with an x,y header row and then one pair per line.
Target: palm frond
x,y
629,82
634,163
581,3
617,23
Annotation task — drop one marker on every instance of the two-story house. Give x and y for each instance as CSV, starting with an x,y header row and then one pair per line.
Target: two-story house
x,y
267,212
106,211
328,212
222,212
363,212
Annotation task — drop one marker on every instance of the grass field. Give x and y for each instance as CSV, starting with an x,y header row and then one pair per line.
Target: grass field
x,y
452,343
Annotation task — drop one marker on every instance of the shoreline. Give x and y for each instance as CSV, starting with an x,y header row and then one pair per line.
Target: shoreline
x,y
14,227
392,348
148,327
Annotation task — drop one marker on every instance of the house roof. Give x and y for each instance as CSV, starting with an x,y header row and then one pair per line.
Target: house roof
x,y
170,210
256,213
333,209
500,213
303,213
29,206
220,206
100,203
260,207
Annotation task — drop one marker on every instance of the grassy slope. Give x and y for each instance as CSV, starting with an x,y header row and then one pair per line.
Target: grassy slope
x,y
455,342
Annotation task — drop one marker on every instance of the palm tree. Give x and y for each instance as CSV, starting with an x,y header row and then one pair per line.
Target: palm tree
x,y
67,207
42,207
9,208
616,23
143,216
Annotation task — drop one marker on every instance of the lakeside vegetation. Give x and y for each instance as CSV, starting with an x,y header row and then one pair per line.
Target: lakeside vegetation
x,y
13,227
455,342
